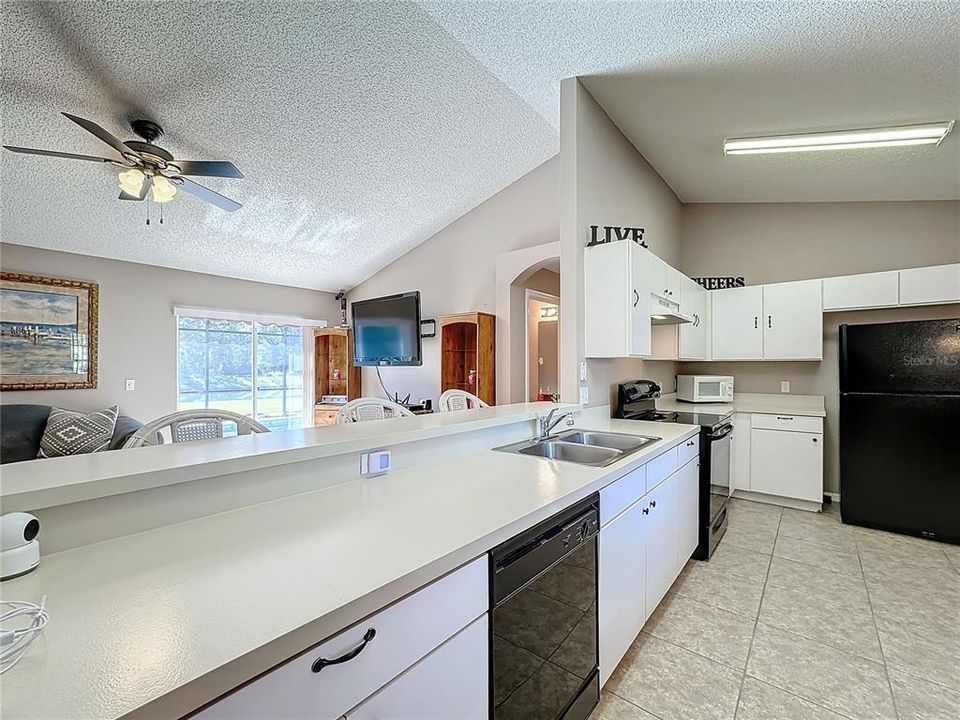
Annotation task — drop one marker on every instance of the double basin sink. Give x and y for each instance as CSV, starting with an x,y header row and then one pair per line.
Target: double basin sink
x,y
584,447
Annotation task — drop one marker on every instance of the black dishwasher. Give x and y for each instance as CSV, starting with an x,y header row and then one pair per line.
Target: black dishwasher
x,y
543,619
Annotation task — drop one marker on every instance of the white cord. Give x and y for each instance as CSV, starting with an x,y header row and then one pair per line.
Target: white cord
x,y
16,642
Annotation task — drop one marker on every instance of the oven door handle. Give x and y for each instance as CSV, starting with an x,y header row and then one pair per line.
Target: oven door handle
x,y
722,432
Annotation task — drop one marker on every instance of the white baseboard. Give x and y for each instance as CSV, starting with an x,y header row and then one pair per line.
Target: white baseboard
x,y
777,500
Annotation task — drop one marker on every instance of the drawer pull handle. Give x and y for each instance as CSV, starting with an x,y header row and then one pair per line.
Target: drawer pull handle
x,y
320,663
780,417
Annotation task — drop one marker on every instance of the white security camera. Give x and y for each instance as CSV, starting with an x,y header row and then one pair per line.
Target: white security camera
x,y
19,547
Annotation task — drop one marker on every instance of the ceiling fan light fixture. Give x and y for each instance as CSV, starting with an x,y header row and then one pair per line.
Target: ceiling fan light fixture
x,y
163,190
867,138
131,181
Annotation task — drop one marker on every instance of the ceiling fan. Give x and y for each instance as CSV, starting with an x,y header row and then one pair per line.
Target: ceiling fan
x,y
145,166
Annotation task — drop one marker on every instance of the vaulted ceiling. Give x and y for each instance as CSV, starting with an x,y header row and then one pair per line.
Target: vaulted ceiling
x,y
363,128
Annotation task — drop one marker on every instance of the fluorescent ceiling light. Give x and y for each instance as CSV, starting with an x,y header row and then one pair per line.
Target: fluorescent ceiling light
x,y
929,134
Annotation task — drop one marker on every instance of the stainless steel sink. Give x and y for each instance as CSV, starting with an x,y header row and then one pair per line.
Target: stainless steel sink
x,y
583,447
572,452
617,441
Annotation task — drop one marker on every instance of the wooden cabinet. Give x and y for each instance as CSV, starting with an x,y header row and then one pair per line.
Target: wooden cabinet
x,y
782,321
688,511
334,371
793,321
737,334
855,292
930,285
621,581
468,354
452,683
786,456
616,304
694,337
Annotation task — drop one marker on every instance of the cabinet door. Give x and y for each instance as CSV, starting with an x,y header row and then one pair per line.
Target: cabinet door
x,y
608,302
450,683
694,336
688,511
872,290
787,464
662,546
930,285
621,579
736,323
673,283
640,341
793,321
740,453
649,271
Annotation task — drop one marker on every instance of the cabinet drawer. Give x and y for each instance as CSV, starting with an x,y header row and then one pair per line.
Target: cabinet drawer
x,y
405,632
688,450
621,494
661,467
798,423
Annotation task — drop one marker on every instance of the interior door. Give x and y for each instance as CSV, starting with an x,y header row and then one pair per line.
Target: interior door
x,y
737,334
621,579
793,321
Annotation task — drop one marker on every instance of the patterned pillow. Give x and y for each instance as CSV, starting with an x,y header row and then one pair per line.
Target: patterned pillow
x,y
73,433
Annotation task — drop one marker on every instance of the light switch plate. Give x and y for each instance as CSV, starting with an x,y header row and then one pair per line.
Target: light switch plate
x,y
584,395
785,386
130,384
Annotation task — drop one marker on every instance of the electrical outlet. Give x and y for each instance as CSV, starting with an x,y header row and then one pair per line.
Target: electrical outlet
x,y
374,463
785,386
583,372
584,395
130,384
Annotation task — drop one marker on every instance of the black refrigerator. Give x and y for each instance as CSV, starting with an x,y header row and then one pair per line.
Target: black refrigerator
x,y
900,427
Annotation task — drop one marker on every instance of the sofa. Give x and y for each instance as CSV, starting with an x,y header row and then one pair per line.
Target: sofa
x,y
21,427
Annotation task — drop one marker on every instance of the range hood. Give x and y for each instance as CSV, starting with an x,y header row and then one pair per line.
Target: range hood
x,y
665,312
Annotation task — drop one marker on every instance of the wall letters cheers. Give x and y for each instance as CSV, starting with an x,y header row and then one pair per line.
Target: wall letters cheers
x,y
615,232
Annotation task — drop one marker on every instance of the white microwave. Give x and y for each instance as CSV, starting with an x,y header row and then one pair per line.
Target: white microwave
x,y
705,388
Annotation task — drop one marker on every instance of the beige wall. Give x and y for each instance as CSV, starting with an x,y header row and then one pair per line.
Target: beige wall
x,y
138,337
778,242
605,181
455,270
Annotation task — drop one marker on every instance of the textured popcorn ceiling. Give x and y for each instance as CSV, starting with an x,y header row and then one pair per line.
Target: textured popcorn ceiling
x,y
362,129
679,77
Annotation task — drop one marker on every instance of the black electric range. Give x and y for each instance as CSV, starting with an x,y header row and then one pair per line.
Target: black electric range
x,y
637,401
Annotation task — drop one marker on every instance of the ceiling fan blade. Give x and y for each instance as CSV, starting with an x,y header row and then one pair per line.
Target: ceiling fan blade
x,y
147,182
54,153
205,193
208,168
109,139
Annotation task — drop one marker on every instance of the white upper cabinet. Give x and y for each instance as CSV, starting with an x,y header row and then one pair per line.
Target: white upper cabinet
x,y
792,321
616,307
736,330
768,322
854,292
694,337
930,285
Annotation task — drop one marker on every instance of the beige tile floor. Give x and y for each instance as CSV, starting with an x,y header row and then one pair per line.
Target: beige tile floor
x,y
799,617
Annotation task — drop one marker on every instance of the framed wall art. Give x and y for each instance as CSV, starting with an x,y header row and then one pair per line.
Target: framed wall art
x,y
48,333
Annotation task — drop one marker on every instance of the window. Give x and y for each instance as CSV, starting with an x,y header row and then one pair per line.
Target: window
x,y
251,367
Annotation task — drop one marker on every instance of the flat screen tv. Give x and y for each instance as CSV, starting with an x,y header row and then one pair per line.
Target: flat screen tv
x,y
386,330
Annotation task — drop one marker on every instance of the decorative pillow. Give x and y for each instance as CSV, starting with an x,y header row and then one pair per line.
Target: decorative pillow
x,y
72,433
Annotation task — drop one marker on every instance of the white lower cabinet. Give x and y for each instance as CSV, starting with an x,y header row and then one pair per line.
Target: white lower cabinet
x,y
740,453
449,683
688,506
662,536
621,580
787,463
371,654
642,550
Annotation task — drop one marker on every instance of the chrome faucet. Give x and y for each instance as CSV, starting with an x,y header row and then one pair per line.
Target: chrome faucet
x,y
549,423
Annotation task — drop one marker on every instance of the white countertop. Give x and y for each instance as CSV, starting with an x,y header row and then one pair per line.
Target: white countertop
x,y
807,405
57,481
155,624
